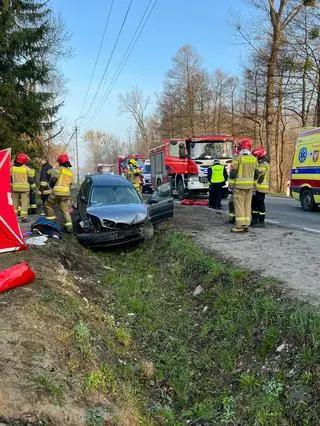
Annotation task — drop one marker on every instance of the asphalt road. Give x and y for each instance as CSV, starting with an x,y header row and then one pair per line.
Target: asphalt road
x,y
288,212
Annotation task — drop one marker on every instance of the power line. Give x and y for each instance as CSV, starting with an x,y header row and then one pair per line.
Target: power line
x,y
110,57
98,56
127,54
69,140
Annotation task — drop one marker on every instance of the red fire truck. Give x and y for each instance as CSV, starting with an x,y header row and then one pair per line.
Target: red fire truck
x,y
185,162
123,162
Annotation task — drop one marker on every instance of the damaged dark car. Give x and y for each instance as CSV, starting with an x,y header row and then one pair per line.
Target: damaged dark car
x,y
109,211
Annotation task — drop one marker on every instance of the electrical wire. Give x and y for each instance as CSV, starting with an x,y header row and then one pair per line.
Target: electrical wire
x,y
66,146
110,57
126,55
97,57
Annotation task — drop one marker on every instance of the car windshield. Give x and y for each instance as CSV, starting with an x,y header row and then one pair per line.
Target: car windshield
x,y
147,169
102,195
210,150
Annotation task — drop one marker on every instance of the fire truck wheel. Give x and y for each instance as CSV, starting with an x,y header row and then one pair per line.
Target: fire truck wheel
x,y
180,189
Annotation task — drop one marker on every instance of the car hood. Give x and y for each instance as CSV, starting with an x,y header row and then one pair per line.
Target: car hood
x,y
120,213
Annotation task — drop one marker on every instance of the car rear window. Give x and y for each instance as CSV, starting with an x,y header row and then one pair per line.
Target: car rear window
x,y
147,169
102,195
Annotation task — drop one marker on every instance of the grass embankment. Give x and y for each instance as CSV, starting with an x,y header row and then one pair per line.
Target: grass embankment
x,y
238,353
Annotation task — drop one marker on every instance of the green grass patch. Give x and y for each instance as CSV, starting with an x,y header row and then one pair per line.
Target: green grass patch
x,y
238,353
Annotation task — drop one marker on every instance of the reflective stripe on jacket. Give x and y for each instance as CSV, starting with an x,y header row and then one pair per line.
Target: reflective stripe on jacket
x,y
262,183
245,167
19,178
217,175
44,179
64,181
32,174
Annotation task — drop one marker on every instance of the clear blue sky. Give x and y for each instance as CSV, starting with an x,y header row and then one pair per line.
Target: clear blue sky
x,y
201,23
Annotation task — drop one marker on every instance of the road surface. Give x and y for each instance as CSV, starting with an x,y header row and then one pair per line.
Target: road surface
x,y
287,211
287,253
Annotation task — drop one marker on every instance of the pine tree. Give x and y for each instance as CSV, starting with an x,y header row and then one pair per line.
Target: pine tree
x,y
25,70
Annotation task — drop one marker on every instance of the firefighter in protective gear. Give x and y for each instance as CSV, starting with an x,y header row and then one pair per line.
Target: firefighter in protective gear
x,y
21,182
217,176
262,187
33,194
60,182
244,170
134,175
44,188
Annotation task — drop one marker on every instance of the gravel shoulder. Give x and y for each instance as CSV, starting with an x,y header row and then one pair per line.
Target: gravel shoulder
x,y
289,256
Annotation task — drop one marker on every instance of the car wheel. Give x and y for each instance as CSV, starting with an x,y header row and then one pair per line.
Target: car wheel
x,y
307,200
180,189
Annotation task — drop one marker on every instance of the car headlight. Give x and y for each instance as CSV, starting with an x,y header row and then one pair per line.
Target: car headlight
x,y
194,179
140,217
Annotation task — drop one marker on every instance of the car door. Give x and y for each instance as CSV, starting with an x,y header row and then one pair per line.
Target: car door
x,y
82,199
160,204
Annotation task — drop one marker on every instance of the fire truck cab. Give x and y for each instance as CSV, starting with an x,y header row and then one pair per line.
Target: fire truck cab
x,y
185,162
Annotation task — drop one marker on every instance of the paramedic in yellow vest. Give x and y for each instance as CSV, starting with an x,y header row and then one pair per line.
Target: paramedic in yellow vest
x,y
217,176
60,182
134,175
21,183
262,187
243,172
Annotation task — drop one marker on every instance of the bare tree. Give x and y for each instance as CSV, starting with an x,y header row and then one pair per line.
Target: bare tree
x,y
136,104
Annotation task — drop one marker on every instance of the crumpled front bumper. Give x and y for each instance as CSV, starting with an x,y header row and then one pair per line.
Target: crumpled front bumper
x,y
110,238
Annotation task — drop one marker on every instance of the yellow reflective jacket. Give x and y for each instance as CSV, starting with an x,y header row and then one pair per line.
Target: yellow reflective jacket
x,y
21,176
64,178
134,176
217,174
33,175
243,169
262,184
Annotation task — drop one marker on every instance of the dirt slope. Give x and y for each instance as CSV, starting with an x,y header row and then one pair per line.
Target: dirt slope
x,y
53,338
290,256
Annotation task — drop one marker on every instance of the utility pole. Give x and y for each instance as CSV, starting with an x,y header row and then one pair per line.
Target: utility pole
x,y
77,155
77,148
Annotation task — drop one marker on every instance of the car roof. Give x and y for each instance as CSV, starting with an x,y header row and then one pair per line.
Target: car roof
x,y
101,180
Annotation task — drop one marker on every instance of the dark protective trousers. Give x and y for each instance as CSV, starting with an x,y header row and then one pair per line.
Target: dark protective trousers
x,y
258,207
44,199
215,194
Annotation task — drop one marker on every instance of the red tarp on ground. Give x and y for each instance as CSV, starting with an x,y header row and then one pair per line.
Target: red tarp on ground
x,y
10,234
195,202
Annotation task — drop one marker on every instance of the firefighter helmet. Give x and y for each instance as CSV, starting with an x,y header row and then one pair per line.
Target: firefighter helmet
x,y
132,162
259,152
22,158
63,158
246,143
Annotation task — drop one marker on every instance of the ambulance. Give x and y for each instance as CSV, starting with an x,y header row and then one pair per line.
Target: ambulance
x,y
305,172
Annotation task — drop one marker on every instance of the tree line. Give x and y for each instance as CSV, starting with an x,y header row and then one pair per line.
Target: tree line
x,y
32,39
275,95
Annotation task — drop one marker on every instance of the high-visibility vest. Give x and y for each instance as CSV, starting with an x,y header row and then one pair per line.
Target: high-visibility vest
x,y
64,181
245,167
264,171
217,175
19,178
